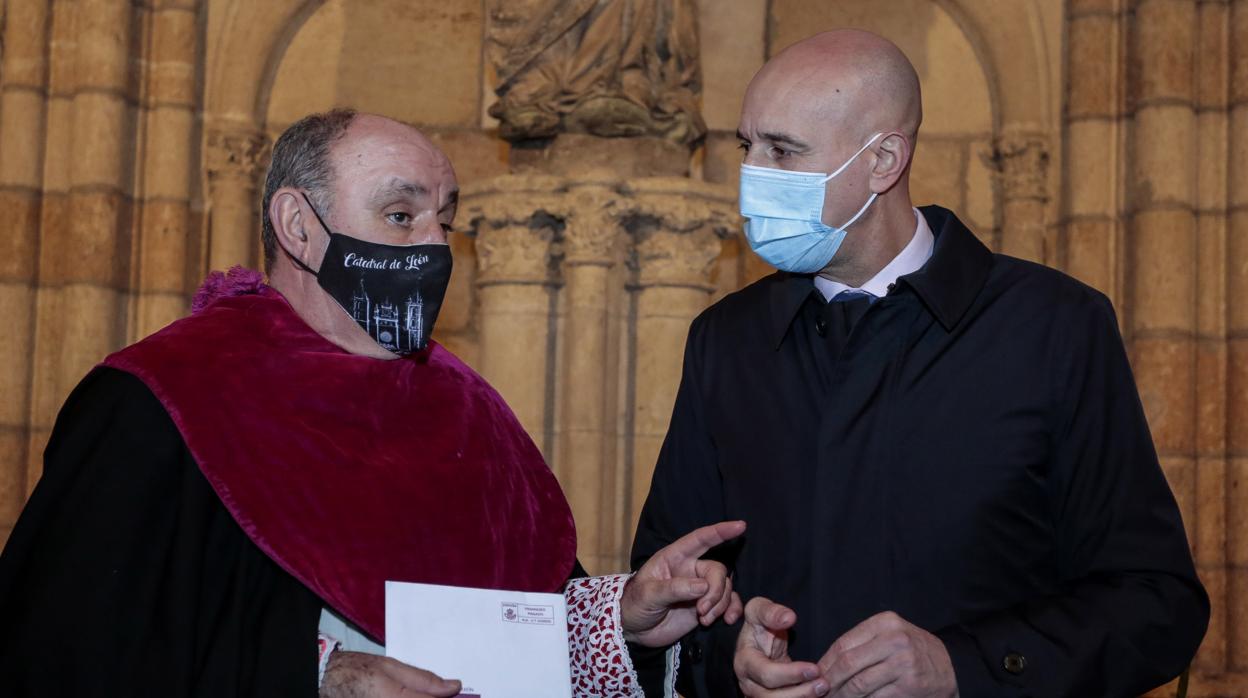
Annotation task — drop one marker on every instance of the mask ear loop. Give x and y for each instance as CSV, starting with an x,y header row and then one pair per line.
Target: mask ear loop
x,y
853,157
299,262
870,199
860,211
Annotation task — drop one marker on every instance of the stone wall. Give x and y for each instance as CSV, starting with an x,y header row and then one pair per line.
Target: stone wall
x,y
1107,138
100,171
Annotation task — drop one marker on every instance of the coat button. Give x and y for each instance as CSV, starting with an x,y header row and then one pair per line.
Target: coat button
x,y
821,326
693,654
1015,663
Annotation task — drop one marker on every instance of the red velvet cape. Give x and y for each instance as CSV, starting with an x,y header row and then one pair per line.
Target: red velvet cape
x,y
347,470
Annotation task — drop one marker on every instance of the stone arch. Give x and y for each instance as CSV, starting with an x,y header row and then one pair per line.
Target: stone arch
x,y
247,41
346,53
1015,57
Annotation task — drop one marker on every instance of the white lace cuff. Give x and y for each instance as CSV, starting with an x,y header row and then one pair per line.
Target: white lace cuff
x,y
601,665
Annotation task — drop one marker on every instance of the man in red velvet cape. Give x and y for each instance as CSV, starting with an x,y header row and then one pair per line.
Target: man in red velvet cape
x,y
216,494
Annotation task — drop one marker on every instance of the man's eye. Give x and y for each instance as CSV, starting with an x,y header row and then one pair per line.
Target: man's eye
x,y
743,146
399,217
777,152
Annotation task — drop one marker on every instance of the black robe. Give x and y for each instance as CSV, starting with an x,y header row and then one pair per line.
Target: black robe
x,y
126,576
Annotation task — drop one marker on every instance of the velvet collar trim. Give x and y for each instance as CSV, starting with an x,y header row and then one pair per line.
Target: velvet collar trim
x,y
349,471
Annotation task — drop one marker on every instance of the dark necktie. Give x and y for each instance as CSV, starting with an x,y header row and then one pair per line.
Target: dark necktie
x,y
853,304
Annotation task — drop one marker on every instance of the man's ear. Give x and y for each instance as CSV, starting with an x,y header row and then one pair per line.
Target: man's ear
x,y
892,157
289,222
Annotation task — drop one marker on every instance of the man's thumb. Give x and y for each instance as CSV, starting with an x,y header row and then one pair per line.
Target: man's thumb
x,y
670,592
769,614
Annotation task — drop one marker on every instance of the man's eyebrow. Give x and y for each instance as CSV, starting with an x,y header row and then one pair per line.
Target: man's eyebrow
x,y
785,138
398,186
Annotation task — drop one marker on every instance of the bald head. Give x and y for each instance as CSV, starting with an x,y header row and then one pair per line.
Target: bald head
x,y
845,79
844,102
313,154
388,132
383,167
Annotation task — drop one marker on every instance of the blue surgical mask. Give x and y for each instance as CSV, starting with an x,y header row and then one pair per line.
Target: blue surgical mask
x,y
785,216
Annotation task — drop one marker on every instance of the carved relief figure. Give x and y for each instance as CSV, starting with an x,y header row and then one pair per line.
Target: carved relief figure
x,y
604,67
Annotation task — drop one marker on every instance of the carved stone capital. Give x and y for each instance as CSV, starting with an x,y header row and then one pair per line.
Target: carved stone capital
x,y
524,223
514,254
515,219
677,258
678,203
593,225
679,225
1022,163
513,198
236,153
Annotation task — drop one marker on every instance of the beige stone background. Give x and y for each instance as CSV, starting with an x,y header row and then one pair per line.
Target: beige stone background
x,y
1107,138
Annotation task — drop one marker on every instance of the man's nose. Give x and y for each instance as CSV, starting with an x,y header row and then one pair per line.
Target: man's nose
x,y
430,232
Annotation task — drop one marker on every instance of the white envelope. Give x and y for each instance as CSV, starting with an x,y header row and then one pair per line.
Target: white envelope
x,y
500,644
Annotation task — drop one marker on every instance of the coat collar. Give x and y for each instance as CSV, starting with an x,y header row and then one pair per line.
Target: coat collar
x,y
947,284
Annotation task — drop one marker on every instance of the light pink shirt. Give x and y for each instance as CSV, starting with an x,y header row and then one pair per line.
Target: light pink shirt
x,y
911,258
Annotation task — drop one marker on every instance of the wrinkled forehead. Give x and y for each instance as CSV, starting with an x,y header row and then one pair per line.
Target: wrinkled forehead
x,y
386,150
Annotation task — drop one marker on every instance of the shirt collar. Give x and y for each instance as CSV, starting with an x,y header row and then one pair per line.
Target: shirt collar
x,y
911,258
947,284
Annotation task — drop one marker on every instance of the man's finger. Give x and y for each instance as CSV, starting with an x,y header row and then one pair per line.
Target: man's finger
x,y
415,679
865,631
665,593
810,689
716,576
735,609
840,667
769,614
865,683
721,604
768,673
695,543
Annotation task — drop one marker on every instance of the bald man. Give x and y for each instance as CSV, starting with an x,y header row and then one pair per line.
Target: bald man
x,y
949,481
223,502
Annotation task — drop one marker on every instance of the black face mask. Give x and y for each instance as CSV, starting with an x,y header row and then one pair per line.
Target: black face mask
x,y
394,292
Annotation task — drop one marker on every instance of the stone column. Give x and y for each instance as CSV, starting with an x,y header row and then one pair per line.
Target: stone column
x,y
84,250
22,112
677,240
591,246
513,240
1022,161
1208,530
168,153
234,156
1164,257
1162,254
1091,163
1237,315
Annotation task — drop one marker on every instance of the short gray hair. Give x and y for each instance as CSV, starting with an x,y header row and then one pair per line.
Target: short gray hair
x,y
301,160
